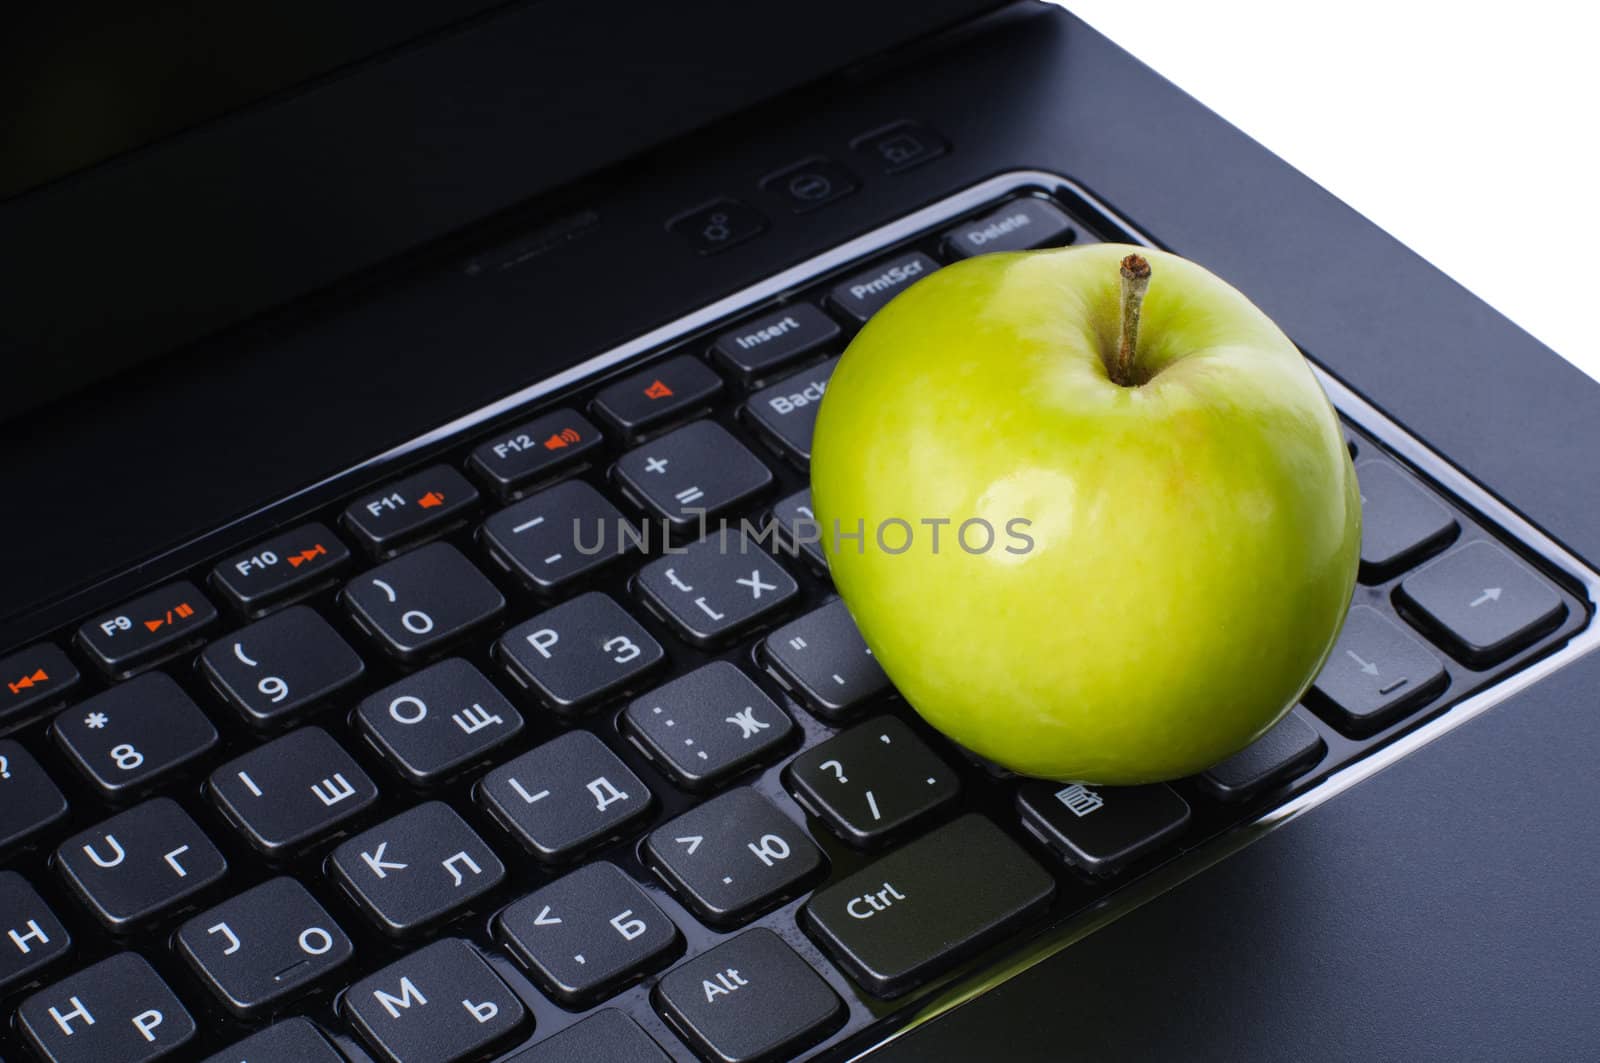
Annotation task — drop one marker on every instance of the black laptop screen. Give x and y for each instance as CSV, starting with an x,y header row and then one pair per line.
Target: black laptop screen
x,y
84,82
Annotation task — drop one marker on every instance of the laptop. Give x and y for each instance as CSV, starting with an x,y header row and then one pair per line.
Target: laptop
x,y
327,735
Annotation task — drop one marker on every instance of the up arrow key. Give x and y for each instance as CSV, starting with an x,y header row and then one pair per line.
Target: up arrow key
x,y
1490,594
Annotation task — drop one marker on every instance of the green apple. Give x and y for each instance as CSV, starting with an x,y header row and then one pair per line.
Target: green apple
x,y
1173,523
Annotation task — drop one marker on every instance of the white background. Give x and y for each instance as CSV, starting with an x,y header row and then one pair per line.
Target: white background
x,y
1470,131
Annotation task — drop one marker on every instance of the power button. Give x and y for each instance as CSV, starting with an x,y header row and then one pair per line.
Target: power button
x,y
718,225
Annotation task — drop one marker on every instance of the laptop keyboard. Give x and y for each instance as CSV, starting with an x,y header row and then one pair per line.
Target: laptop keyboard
x,y
426,776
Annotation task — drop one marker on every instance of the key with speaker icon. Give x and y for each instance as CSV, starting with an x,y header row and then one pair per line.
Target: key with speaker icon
x,y
423,504
531,453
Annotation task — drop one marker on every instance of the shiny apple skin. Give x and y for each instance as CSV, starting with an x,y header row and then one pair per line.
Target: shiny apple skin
x,y
1195,539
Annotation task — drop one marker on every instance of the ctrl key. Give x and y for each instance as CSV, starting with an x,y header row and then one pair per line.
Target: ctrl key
x,y
747,1000
926,906
438,1005
118,1009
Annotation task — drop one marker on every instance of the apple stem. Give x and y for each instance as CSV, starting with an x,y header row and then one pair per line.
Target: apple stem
x,y
1135,282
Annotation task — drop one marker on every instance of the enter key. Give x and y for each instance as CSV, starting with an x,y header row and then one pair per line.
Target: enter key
x,y
1376,674
923,908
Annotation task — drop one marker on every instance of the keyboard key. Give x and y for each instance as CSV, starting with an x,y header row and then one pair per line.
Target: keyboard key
x,y
128,737
423,504
119,1009
733,856
1021,225
438,720
607,1035
717,588
531,452
420,601
1099,829
140,863
148,629
773,340
823,659
34,679
294,1040
873,781
291,791
1290,749
1482,602
554,538
898,147
29,799
1376,674
751,998
31,937
786,412
580,652
691,474
286,566
263,946
808,185
440,1004
416,868
922,908
704,727
275,668
585,936
1401,524
798,527
718,225
565,796
864,294
668,391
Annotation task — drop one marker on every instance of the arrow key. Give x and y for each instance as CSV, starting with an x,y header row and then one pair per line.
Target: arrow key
x,y
1377,673
1483,603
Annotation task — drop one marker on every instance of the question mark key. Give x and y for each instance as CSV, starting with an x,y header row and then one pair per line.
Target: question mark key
x,y
29,798
872,782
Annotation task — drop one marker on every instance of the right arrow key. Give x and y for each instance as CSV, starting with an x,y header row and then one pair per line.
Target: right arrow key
x,y
1377,673
1483,603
